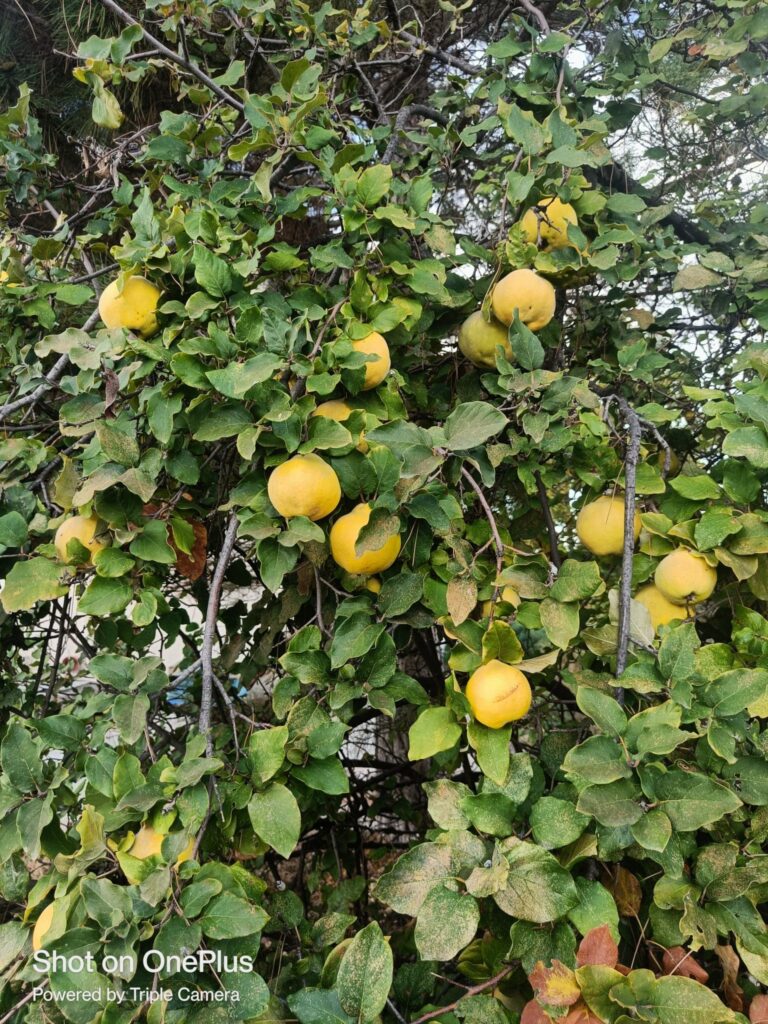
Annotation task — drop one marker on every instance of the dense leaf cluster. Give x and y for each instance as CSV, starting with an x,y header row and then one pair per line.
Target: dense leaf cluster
x,y
299,738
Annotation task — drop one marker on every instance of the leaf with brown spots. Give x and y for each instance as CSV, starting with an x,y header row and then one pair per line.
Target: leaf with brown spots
x,y
598,947
555,985
533,1014
682,962
730,963
758,1010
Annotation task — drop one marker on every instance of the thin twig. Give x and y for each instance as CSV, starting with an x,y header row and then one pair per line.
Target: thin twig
x,y
491,522
554,554
166,51
482,987
442,55
231,711
209,633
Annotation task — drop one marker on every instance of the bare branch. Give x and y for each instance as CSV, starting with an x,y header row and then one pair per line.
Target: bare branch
x,y
473,991
537,14
209,633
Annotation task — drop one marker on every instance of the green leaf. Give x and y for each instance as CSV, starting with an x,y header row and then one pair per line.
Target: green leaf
x,y
521,126
596,906
696,488
326,775
538,889
446,923
691,800
526,347
13,530
576,581
560,621
31,819
399,593
598,759
693,277
152,543
129,714
653,831
749,443
604,711
30,581
373,184
223,421
435,730
353,638
614,804
236,379
405,886
365,974
472,424
317,1006
491,747
230,917
62,732
105,110
276,818
21,759
556,823
501,642
444,803
211,272
266,752
104,597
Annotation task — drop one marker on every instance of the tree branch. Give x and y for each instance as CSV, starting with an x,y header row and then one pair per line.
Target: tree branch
x,y
209,633
630,474
400,121
55,374
166,51
537,14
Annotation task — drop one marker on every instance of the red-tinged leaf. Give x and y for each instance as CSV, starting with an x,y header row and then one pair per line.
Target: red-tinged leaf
x,y
732,991
758,1010
623,969
581,1014
533,1014
555,985
192,565
682,962
598,947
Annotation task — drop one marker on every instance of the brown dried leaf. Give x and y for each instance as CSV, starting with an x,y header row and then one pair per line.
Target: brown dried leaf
x,y
598,947
555,985
730,963
111,391
625,889
192,565
682,962
461,598
533,1014
758,1010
